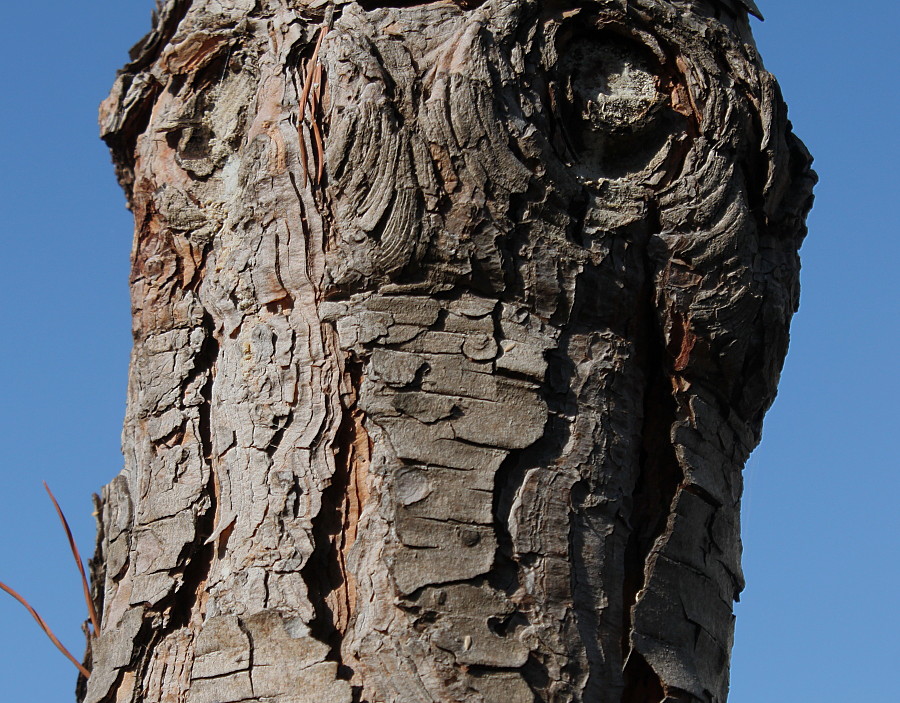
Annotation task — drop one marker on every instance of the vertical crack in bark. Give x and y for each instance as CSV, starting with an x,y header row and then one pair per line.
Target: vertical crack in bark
x,y
653,497
509,477
331,586
250,652
205,363
200,554
197,557
642,684
506,574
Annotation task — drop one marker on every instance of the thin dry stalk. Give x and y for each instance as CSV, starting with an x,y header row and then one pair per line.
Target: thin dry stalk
x,y
304,159
92,611
308,79
46,628
304,98
317,131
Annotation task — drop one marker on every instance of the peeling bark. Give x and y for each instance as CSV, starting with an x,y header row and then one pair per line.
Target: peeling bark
x,y
455,323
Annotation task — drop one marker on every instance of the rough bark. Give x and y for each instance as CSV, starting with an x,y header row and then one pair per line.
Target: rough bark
x,y
443,382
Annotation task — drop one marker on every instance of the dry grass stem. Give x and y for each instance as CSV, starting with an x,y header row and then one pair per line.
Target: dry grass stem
x,y
312,69
92,611
46,628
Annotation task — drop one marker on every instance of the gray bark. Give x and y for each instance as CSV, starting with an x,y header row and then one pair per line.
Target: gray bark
x,y
443,383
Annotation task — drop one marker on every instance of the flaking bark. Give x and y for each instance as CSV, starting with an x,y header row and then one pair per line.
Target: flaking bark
x,y
443,382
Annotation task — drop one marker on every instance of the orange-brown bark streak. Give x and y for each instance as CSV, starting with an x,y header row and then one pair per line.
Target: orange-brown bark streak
x,y
351,472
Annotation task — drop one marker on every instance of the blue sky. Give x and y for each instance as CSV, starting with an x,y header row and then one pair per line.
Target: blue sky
x,y
818,621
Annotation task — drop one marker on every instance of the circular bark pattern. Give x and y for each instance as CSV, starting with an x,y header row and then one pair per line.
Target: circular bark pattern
x,y
611,83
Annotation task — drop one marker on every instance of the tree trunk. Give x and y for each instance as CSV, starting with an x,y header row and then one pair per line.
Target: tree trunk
x,y
454,326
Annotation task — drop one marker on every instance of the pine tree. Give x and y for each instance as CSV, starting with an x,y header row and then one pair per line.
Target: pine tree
x,y
454,325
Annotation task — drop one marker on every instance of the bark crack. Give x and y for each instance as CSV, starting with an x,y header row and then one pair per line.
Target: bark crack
x,y
197,556
331,585
657,486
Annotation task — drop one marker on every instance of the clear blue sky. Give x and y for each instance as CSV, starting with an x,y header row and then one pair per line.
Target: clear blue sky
x,y
818,621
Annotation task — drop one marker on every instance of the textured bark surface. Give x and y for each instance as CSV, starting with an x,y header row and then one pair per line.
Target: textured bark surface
x,y
443,382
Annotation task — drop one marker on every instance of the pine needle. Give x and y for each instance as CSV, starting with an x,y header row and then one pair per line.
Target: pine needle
x,y
92,611
46,628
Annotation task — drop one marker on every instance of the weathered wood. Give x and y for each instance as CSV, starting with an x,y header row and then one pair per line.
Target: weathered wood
x,y
443,380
